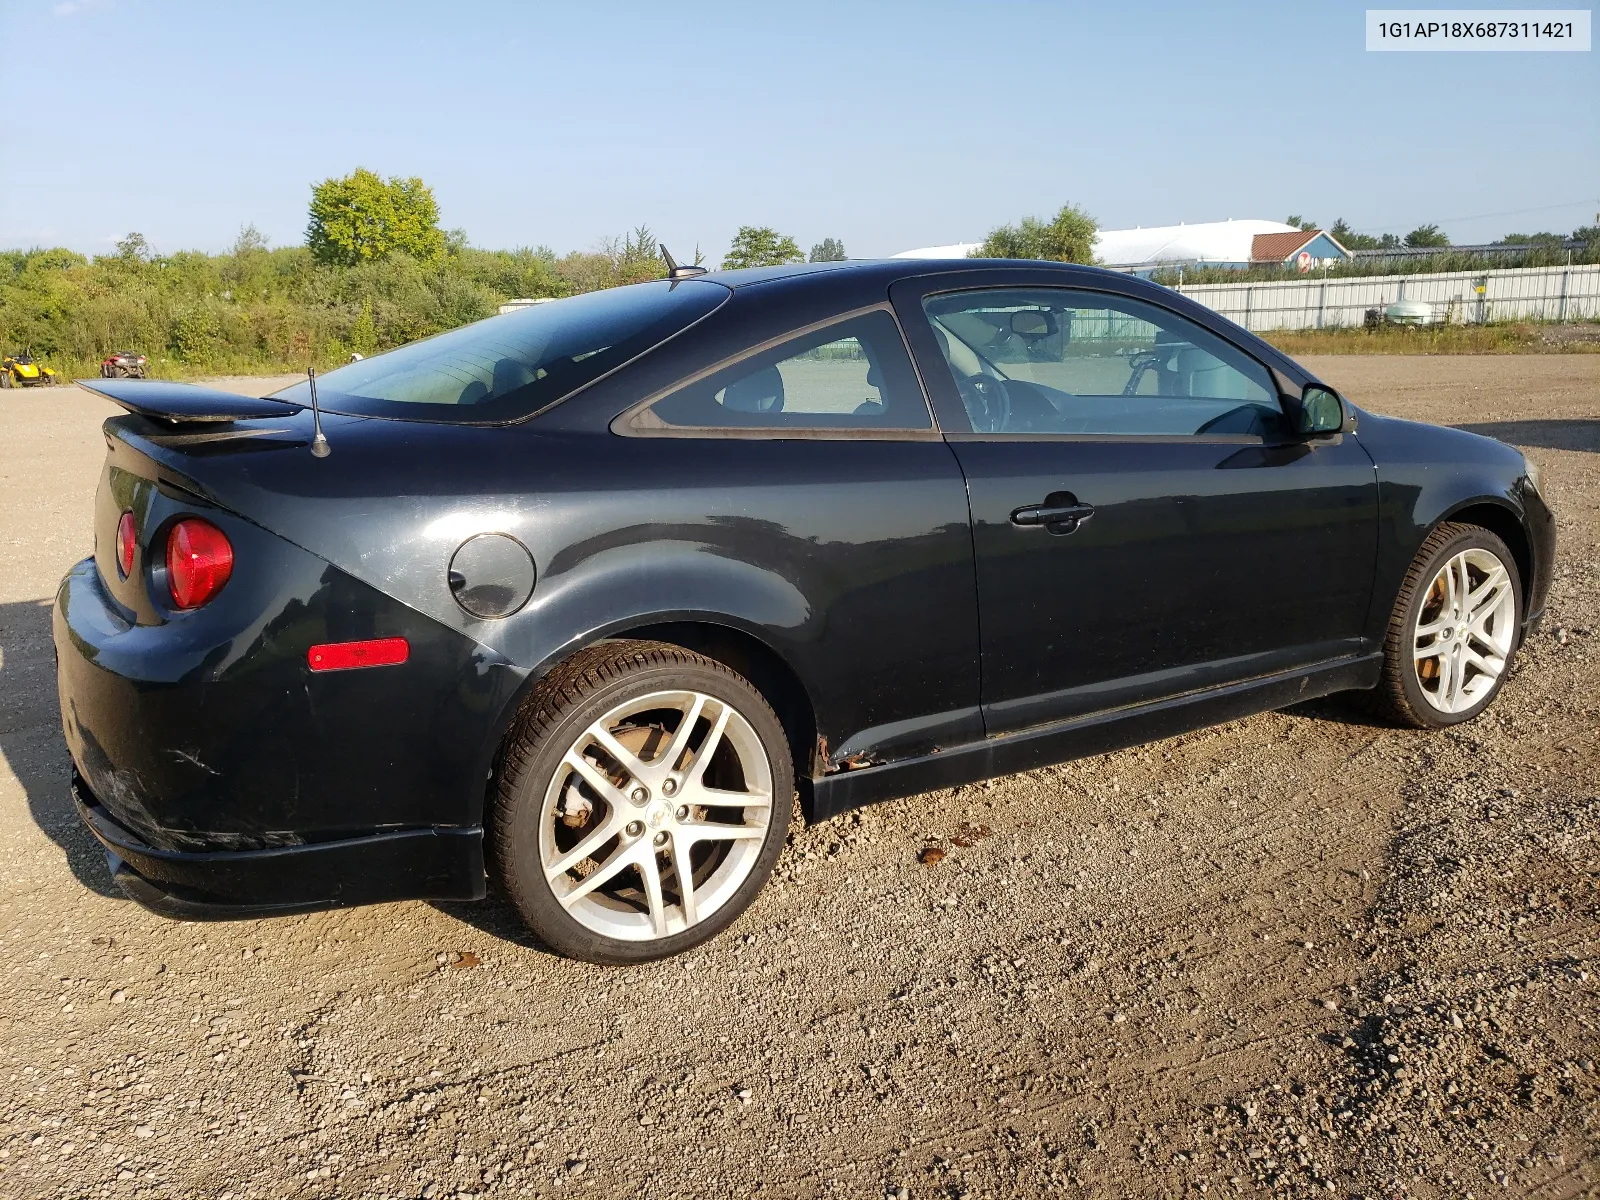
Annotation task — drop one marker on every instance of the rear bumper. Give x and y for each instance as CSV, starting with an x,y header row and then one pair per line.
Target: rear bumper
x,y
208,733
423,864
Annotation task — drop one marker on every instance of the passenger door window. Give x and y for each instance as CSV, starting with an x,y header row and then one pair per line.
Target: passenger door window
x,y
854,375
1060,361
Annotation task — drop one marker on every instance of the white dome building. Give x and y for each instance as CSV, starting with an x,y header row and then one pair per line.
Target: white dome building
x,y
1211,244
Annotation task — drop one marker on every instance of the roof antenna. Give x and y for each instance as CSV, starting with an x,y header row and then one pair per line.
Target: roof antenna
x,y
674,271
319,443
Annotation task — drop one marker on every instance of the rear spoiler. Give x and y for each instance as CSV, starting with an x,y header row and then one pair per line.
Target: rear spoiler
x,y
181,403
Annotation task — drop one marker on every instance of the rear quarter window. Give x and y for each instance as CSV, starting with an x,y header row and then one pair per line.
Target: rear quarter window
x,y
849,376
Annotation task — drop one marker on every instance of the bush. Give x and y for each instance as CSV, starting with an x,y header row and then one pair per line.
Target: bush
x,y
258,310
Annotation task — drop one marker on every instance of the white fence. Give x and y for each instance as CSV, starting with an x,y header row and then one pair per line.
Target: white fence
x,y
1473,297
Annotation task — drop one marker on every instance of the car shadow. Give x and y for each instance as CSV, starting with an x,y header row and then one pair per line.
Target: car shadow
x,y
31,742
1578,434
1341,708
494,916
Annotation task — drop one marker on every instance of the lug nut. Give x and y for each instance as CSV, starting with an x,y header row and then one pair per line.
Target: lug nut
x,y
635,828
639,795
683,812
661,838
668,787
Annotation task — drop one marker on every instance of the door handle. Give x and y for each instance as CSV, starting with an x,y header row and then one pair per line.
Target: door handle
x,y
1056,518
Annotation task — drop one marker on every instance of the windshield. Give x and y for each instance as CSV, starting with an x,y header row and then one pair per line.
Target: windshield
x,y
512,366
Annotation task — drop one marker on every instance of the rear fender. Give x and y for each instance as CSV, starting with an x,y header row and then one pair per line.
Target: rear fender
x,y
652,583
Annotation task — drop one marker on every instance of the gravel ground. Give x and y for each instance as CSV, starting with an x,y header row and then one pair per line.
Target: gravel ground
x,y
1298,954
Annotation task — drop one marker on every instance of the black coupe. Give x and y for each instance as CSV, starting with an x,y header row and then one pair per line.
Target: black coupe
x,y
577,599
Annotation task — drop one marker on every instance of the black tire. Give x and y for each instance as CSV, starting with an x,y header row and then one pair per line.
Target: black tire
x,y
1400,695
564,705
5,379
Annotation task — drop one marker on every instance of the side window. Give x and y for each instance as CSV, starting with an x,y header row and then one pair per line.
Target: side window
x,y
1054,360
853,375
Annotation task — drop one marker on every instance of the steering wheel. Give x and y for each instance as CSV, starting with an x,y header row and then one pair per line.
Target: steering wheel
x,y
1150,360
987,402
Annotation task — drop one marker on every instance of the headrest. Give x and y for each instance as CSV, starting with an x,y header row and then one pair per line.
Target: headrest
x,y
760,392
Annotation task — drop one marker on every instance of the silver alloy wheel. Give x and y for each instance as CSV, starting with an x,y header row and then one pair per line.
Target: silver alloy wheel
x,y
1464,631
634,841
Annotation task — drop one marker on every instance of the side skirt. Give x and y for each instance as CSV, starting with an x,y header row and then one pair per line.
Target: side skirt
x,y
1085,736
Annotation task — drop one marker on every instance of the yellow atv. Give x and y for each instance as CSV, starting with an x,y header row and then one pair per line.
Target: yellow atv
x,y
20,370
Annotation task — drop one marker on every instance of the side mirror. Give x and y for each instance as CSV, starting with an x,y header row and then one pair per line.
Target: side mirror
x,y
1321,411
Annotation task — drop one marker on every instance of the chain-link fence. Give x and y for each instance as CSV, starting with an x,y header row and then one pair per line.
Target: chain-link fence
x,y
1466,297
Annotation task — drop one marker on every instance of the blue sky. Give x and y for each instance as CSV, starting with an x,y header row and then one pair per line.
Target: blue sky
x,y
888,125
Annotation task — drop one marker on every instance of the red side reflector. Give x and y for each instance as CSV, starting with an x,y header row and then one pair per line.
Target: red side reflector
x,y
346,656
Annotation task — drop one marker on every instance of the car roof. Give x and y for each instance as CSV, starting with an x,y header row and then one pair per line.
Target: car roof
x,y
888,270
861,281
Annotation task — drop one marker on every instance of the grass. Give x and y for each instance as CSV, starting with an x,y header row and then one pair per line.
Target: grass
x,y
1518,338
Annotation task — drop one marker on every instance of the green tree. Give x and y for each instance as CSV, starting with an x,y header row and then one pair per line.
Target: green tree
x,y
761,246
1300,223
250,241
1426,237
828,250
1587,233
361,218
1350,239
135,249
1067,237
1532,239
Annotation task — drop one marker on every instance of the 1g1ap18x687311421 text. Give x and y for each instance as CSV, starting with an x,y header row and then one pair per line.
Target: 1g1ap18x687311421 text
x,y
1478,29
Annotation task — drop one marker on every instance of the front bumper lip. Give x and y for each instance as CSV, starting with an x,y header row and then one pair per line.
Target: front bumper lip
x,y
413,864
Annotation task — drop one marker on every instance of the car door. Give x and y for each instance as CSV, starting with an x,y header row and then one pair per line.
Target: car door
x,y
1145,522
815,463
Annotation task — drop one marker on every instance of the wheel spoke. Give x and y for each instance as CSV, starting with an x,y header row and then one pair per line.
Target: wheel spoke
x,y
1432,651
668,759
1487,594
651,870
1442,682
626,759
586,848
1432,628
1463,584
702,758
1490,664
595,778
627,856
684,870
1458,682
711,831
718,798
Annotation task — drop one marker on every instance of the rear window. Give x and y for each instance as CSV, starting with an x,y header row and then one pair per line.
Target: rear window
x,y
513,365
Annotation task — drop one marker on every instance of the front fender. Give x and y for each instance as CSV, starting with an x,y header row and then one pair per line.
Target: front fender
x,y
1430,473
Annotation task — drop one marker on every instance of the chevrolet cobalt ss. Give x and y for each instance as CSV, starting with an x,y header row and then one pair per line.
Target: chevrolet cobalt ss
x,y
578,599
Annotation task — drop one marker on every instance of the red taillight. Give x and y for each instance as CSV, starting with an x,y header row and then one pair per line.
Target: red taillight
x,y
199,561
125,544
346,656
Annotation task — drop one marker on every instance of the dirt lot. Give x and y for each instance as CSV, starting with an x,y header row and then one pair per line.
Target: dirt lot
x,y
1296,954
